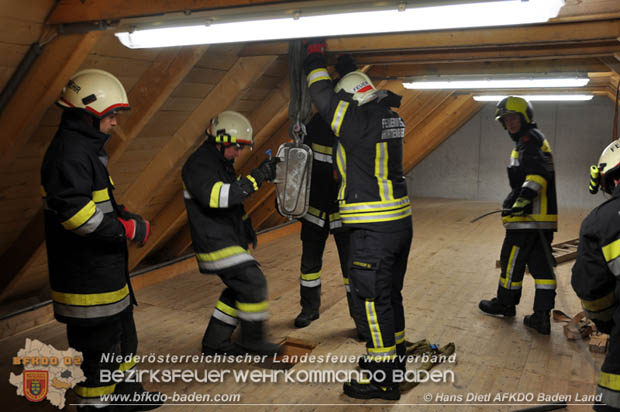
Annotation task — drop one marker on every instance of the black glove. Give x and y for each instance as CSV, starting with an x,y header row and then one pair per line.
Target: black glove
x,y
315,45
345,65
604,326
518,208
126,214
266,171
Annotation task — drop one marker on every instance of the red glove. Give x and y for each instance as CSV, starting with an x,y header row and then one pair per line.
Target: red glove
x,y
136,229
315,46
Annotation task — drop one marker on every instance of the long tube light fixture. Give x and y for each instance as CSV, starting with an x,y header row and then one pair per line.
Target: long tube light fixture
x,y
501,82
299,25
539,97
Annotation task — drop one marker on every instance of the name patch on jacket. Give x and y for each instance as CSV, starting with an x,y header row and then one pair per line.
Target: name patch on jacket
x,y
392,128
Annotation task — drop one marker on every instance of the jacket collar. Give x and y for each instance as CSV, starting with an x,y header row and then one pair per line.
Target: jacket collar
x,y
74,120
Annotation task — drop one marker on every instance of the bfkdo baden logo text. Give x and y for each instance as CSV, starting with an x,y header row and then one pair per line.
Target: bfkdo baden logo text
x,y
47,372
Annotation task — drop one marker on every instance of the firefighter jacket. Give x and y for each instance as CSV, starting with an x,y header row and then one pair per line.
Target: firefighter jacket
x,y
532,176
323,206
86,246
369,154
596,272
221,232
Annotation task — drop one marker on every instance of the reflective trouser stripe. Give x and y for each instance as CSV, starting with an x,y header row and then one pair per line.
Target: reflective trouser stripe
x,y
373,323
507,282
347,286
252,311
320,157
381,354
609,397
545,284
90,299
313,219
225,313
310,280
223,258
399,337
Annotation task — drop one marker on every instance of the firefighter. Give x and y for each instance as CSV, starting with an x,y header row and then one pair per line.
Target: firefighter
x,y
86,232
322,217
530,218
596,271
221,233
374,206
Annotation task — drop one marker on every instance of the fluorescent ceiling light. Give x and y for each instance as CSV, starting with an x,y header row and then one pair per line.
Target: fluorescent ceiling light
x,y
539,97
504,83
490,13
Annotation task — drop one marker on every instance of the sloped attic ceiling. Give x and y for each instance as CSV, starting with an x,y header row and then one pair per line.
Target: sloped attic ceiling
x,y
175,91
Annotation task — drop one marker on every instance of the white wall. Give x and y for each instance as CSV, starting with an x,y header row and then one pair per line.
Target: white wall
x,y
471,164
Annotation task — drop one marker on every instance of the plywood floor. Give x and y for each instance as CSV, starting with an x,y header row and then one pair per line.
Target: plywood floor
x,y
451,267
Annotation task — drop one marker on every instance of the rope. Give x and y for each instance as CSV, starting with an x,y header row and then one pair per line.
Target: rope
x,y
300,106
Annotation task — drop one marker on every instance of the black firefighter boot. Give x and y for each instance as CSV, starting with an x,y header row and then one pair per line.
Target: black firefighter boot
x,y
370,390
310,303
253,339
493,307
217,339
539,321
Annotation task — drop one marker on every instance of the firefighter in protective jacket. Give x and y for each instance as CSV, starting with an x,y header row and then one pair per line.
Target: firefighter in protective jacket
x,y
596,273
530,218
374,206
322,219
85,230
221,234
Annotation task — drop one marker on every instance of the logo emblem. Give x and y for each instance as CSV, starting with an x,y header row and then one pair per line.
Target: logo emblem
x,y
35,385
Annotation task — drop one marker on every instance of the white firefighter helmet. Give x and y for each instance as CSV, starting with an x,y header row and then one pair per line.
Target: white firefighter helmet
x,y
609,165
95,91
359,85
230,127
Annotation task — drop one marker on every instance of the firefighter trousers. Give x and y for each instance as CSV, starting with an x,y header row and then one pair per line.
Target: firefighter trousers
x,y
531,248
377,267
245,298
111,338
608,389
313,240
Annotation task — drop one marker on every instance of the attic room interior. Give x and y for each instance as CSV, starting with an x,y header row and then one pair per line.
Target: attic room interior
x,y
454,158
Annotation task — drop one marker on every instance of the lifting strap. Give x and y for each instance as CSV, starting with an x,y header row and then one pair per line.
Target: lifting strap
x,y
300,106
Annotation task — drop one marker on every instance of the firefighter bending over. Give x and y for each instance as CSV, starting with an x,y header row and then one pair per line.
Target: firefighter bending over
x,y
222,232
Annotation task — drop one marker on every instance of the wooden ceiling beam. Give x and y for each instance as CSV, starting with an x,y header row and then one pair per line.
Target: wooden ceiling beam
x,y
39,90
74,11
525,35
497,67
150,92
237,79
435,128
492,55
